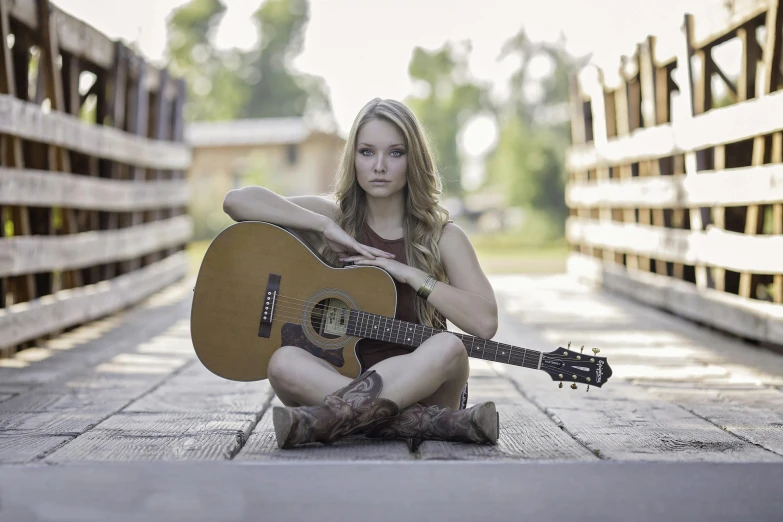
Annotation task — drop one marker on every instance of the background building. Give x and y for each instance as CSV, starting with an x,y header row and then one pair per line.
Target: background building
x,y
288,155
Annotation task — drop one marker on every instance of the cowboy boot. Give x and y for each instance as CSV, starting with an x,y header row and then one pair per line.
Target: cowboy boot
x,y
418,422
350,409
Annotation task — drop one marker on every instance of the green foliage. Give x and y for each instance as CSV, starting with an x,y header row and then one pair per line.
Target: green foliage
x,y
527,164
230,84
450,100
215,91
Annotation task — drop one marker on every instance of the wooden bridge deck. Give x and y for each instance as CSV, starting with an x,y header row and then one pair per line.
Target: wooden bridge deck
x,y
129,388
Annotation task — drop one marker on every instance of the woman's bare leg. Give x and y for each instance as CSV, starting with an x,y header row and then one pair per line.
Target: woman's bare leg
x,y
302,379
435,373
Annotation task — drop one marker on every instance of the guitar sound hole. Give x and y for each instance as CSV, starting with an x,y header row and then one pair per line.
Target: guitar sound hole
x,y
329,318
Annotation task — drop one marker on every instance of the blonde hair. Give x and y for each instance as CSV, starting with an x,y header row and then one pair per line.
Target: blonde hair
x,y
423,218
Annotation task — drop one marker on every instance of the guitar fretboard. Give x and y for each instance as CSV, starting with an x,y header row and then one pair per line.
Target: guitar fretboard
x,y
378,327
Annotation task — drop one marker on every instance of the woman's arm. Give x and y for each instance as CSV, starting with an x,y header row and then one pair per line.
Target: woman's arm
x,y
261,204
313,217
467,300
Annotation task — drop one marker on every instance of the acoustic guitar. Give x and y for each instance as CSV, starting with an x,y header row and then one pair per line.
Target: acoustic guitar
x,y
261,287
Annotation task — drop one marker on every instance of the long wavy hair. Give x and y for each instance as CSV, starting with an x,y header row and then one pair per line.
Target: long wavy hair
x,y
423,218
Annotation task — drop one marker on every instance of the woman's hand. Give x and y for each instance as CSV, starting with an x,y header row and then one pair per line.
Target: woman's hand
x,y
342,244
399,271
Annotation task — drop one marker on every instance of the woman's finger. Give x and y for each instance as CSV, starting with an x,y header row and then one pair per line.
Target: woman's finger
x,y
377,252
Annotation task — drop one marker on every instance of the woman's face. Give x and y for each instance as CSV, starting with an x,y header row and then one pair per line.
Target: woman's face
x,y
381,158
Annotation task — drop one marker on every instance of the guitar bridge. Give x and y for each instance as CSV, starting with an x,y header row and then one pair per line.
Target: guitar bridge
x,y
268,306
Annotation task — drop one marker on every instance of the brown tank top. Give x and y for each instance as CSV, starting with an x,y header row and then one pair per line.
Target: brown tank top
x,y
370,351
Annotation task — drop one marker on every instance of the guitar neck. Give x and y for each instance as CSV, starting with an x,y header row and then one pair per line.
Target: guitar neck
x,y
371,326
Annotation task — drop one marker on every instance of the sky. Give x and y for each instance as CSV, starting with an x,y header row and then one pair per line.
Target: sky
x,y
362,47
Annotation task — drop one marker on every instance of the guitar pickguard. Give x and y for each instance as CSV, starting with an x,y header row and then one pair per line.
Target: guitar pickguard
x,y
292,335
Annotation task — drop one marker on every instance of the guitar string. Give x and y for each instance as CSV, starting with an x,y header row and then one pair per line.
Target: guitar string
x,y
287,299
297,309
493,354
497,352
396,330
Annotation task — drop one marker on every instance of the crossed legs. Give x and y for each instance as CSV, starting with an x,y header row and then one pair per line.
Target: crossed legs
x,y
435,374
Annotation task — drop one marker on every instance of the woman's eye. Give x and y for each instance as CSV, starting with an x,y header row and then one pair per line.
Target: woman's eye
x,y
397,153
362,152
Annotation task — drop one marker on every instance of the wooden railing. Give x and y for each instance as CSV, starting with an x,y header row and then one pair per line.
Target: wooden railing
x,y
676,200
93,193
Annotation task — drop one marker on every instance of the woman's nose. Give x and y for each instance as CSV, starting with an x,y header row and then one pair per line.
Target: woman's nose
x,y
379,165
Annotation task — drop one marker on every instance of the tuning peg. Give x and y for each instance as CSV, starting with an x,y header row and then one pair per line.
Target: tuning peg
x,y
569,345
588,388
573,386
560,385
596,351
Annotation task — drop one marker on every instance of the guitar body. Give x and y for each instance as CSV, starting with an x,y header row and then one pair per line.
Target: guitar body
x,y
253,264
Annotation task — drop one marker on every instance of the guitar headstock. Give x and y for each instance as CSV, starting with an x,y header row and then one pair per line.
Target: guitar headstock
x,y
576,367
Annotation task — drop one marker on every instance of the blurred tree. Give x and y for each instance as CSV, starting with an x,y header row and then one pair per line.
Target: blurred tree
x,y
276,90
528,163
215,91
450,99
259,83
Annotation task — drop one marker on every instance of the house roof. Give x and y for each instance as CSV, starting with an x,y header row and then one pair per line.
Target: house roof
x,y
261,131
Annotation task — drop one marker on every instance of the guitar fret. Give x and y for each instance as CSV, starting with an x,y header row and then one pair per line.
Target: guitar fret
x,y
372,326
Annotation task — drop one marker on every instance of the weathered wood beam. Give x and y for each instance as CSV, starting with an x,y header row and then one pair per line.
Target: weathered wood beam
x,y
730,124
19,323
715,247
81,40
31,254
40,188
749,318
725,188
29,121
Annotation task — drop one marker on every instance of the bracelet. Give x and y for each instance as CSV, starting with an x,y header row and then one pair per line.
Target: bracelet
x,y
426,287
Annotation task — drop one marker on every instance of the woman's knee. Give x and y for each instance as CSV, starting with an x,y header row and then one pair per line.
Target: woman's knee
x,y
281,365
451,352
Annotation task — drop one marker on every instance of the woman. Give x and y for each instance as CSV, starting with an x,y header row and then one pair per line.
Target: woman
x,y
386,215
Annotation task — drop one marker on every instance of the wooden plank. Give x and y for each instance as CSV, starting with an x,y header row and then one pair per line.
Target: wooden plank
x,y
697,100
71,307
68,424
754,220
748,318
716,188
755,416
71,402
525,431
776,156
30,254
104,356
29,187
27,120
730,124
730,250
25,448
25,288
200,397
652,113
661,432
79,39
624,422
59,159
136,437
262,446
